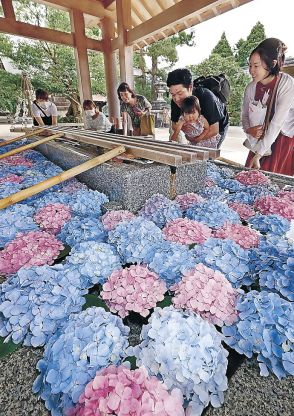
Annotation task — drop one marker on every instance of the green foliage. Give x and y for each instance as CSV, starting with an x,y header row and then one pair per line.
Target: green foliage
x,y
93,300
244,47
7,348
223,47
10,87
216,64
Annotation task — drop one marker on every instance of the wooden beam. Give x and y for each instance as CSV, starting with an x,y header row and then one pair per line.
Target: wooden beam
x,y
107,3
123,11
8,10
92,7
183,9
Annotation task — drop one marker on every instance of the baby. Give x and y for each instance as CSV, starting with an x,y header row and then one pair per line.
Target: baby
x,y
194,125
95,120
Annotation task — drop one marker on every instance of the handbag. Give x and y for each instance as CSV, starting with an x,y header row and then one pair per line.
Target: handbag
x,y
47,120
147,124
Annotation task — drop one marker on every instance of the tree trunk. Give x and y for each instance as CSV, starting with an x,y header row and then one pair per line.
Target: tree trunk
x,y
154,70
74,111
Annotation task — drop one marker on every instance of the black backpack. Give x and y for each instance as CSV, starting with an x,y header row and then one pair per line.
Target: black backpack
x,y
218,84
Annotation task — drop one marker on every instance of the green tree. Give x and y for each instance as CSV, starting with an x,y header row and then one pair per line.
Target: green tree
x,y
223,47
238,79
244,47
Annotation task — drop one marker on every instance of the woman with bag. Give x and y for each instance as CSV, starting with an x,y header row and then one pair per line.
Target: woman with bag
x,y
44,111
268,110
137,107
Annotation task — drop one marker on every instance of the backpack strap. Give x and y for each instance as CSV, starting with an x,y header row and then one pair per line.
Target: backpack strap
x,y
35,102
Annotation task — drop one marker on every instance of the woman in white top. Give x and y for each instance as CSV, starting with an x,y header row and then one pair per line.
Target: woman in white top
x,y
273,149
44,111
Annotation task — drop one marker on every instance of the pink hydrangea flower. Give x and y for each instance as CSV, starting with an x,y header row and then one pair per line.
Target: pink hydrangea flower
x,y
111,218
11,178
187,200
72,186
185,231
275,205
16,160
208,293
287,195
135,288
123,392
52,217
209,183
244,236
252,177
34,248
245,211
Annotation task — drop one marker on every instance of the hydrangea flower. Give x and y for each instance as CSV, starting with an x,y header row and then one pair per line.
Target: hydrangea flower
x,y
187,200
252,177
135,288
265,327
213,214
51,198
208,293
227,257
287,195
11,178
275,205
170,260
242,235
32,177
94,261
17,160
90,341
134,239
80,229
185,352
245,211
36,301
34,156
270,224
209,182
15,219
128,392
213,193
9,188
242,197
111,218
185,231
160,210
34,248
52,217
72,185
231,185
87,202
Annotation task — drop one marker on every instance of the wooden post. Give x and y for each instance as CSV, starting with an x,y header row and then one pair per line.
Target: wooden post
x,y
123,11
110,68
54,180
30,146
81,54
8,10
23,136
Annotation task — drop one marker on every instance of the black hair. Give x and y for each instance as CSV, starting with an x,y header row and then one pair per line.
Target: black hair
x,y
269,50
190,104
42,94
179,76
87,103
123,87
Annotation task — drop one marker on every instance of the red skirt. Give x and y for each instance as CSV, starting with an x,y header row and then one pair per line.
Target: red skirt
x,y
282,158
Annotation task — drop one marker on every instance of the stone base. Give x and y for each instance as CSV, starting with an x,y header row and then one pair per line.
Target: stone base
x,y
128,184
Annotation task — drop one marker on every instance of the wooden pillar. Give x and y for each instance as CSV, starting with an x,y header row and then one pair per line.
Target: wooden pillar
x,y
8,10
123,11
81,54
110,68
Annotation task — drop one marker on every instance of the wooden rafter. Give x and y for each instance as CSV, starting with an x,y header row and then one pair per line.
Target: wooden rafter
x,y
92,7
8,10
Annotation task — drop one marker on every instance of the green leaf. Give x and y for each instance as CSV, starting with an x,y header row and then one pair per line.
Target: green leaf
x,y
7,347
167,301
92,300
133,362
65,252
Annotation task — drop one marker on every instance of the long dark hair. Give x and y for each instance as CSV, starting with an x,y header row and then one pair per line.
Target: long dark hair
x,y
123,87
269,50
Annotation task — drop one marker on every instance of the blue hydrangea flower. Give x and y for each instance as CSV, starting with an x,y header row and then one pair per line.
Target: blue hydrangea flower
x,y
35,156
8,147
80,229
227,257
270,224
227,173
213,193
241,196
9,188
89,341
185,352
36,301
17,170
170,260
50,197
15,219
86,202
160,210
213,214
31,177
265,327
133,239
231,185
94,261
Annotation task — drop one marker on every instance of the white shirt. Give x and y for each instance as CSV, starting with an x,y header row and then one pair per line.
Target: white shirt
x,y
99,123
48,107
283,119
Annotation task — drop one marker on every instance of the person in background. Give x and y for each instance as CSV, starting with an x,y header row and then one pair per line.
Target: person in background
x,y
180,86
133,105
271,150
94,119
44,111
194,125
